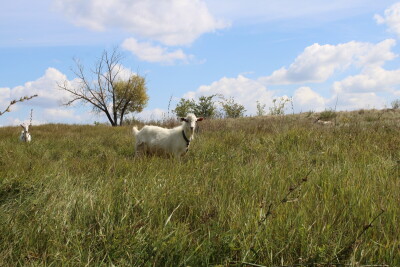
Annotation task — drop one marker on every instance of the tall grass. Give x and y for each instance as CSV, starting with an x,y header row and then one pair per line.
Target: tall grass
x,y
76,196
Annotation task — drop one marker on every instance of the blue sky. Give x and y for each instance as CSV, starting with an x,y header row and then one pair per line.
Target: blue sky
x,y
317,52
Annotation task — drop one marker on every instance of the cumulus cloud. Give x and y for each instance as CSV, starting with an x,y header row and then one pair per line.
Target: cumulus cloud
x,y
151,53
122,73
305,99
46,87
372,79
51,115
353,101
152,114
58,114
244,90
318,62
391,18
16,122
5,93
171,22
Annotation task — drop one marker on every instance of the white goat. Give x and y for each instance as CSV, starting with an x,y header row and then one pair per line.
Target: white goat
x,y
25,135
319,121
158,140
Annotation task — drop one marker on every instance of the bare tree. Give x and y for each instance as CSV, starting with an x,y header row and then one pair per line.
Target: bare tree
x,y
104,91
22,99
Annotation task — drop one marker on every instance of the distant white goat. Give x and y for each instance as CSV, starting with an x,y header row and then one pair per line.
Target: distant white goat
x,y
25,135
158,140
319,121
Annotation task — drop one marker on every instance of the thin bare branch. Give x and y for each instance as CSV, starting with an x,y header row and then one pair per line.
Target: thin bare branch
x,y
345,252
13,102
271,209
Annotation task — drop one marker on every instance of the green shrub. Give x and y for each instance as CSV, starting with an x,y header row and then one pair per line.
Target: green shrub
x,y
232,109
328,114
396,104
279,105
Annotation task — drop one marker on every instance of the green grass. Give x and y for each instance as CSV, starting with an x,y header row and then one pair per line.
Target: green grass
x,y
76,196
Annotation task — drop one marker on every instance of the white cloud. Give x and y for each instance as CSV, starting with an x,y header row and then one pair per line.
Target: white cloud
x,y
372,79
353,101
245,91
4,97
376,55
318,62
151,114
171,22
16,122
148,52
123,73
391,18
46,87
50,115
59,114
305,99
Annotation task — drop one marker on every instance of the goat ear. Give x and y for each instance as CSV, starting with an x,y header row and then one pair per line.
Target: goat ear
x,y
200,119
183,119
22,126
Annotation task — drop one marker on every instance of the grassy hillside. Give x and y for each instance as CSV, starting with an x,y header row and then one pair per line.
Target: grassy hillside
x,y
270,190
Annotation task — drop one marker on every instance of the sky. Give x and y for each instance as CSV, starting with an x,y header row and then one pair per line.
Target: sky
x,y
340,54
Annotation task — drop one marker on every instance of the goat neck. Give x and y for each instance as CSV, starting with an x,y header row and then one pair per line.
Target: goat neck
x,y
188,133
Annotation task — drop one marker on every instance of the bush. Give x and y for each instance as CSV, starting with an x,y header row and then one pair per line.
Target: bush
x,y
278,107
233,109
184,107
396,104
260,109
328,114
205,107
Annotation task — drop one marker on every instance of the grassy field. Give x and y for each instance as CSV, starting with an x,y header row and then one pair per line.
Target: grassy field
x,y
269,190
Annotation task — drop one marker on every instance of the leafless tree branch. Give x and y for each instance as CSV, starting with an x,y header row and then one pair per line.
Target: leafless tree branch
x,y
13,102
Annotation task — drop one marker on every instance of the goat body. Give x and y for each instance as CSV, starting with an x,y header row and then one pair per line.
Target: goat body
x,y
324,122
158,140
25,135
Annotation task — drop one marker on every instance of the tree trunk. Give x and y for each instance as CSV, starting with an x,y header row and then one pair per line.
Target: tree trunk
x,y
123,113
113,123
